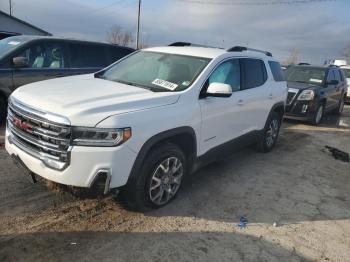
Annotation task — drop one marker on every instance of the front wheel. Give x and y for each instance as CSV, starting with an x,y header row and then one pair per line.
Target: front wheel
x,y
271,131
159,180
317,118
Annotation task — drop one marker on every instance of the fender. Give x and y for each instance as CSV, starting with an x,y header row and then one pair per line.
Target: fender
x,y
158,138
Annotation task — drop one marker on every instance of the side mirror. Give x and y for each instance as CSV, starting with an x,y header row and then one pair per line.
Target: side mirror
x,y
332,82
219,90
20,61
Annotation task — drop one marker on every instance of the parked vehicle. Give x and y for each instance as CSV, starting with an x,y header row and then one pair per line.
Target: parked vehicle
x,y
147,121
314,91
27,59
346,70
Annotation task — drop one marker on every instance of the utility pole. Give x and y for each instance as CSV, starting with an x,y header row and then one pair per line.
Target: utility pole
x,y
10,4
138,26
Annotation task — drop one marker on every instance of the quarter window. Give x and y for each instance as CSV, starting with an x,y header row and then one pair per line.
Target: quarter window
x,y
277,72
254,73
227,73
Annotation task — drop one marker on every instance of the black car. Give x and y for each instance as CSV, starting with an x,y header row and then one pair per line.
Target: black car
x,y
27,59
314,91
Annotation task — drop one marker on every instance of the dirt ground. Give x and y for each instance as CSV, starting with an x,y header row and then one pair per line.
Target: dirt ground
x,y
298,186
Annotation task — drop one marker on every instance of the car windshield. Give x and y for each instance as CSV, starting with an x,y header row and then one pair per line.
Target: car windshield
x,y
308,75
158,72
8,44
347,73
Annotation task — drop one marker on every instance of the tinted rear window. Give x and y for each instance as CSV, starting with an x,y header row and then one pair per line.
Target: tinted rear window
x,y
254,73
116,53
277,72
85,55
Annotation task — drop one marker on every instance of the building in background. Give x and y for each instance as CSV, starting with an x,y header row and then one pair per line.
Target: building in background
x,y
10,26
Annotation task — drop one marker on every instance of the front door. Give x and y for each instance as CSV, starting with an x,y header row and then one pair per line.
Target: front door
x,y
222,116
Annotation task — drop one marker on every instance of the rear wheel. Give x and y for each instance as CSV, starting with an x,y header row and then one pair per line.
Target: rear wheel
x,y
3,109
340,107
271,131
317,118
159,180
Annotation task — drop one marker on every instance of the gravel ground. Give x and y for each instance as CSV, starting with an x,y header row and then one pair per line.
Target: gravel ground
x,y
302,189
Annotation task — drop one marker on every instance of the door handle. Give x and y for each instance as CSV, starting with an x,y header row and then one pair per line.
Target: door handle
x,y
240,102
271,96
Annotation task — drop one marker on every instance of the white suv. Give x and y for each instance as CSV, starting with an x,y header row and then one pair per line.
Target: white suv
x,y
148,120
346,70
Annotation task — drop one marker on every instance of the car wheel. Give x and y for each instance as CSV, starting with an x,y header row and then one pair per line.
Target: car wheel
x,y
3,110
159,181
270,135
318,115
340,107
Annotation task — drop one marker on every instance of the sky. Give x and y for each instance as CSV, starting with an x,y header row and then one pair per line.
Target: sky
x,y
319,29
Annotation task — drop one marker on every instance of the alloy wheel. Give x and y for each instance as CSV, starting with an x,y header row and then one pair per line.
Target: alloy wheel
x,y
319,115
272,132
166,180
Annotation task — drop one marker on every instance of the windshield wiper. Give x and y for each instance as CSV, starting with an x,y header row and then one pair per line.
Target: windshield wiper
x,y
131,84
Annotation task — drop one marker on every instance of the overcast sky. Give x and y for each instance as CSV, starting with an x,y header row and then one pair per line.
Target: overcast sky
x,y
320,29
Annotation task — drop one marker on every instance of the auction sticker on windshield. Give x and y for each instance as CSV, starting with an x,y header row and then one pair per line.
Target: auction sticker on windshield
x,y
165,84
315,80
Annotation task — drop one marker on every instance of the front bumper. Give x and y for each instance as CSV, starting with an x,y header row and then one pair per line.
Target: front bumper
x,y
85,164
301,110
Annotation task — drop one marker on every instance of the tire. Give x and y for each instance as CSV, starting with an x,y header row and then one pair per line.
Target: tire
x,y
138,194
270,134
317,118
3,110
340,107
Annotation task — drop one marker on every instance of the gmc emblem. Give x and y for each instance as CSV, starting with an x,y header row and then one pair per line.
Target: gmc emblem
x,y
22,125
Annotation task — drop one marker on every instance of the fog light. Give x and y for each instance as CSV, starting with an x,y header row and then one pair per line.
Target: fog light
x,y
304,109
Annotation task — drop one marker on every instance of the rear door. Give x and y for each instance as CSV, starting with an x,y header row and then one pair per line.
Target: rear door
x,y
331,90
87,58
256,96
46,59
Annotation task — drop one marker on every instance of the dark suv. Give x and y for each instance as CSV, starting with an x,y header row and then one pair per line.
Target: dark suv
x,y
27,59
313,91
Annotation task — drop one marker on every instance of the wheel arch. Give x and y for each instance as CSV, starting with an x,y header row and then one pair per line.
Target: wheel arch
x,y
184,137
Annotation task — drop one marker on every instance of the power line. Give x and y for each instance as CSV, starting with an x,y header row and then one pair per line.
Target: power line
x,y
260,3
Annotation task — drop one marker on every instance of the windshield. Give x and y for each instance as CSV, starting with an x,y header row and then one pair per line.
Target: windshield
x,y
8,44
157,71
347,73
309,75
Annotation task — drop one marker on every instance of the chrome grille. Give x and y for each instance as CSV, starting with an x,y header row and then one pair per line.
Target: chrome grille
x,y
34,133
292,93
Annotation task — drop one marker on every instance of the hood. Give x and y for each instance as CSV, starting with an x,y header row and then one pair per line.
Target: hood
x,y
301,86
86,100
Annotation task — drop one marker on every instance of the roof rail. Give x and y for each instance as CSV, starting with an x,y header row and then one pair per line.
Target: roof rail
x,y
190,44
243,48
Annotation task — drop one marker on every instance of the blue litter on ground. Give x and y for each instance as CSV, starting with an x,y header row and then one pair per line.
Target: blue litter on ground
x,y
243,221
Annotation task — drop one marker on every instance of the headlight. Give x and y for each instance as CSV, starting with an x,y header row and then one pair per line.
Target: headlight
x,y
84,136
306,95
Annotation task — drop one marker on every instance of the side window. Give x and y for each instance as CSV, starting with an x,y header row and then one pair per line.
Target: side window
x,y
227,73
84,55
277,72
339,76
254,73
45,55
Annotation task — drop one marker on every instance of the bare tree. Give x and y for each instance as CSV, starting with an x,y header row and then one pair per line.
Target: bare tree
x,y
116,35
293,57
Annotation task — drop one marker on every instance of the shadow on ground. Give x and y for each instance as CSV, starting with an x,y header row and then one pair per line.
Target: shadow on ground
x,y
104,246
